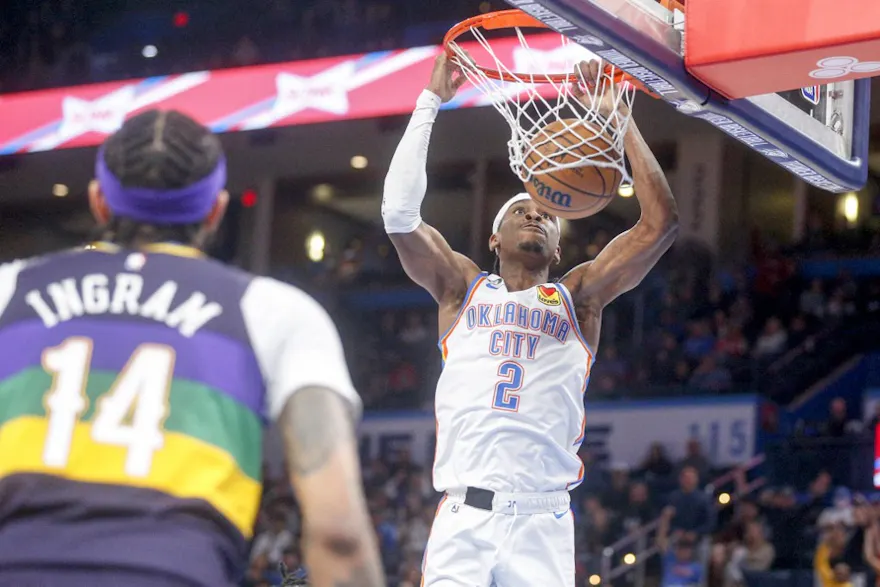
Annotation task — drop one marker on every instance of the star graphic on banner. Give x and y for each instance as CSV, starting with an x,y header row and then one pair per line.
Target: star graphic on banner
x,y
78,116
104,115
327,91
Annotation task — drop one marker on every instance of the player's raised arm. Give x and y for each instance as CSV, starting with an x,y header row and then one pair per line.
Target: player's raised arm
x,y
425,255
311,395
626,260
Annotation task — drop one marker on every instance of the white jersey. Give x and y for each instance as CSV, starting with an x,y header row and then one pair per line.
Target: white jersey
x,y
509,403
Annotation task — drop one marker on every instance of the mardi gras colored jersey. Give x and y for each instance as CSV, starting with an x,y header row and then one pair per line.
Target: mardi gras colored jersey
x,y
134,387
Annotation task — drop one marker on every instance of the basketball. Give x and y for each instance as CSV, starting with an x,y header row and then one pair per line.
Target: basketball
x,y
576,192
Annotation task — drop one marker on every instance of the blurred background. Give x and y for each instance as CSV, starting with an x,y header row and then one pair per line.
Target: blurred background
x,y
733,406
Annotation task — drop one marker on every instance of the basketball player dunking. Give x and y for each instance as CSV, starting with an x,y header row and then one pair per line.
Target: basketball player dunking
x,y
517,353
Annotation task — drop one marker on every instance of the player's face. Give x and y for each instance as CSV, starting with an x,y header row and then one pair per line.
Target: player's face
x,y
529,229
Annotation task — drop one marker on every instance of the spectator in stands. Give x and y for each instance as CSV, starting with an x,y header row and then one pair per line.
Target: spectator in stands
x,y
293,563
638,509
615,496
721,324
596,528
838,423
387,327
711,376
681,566
817,497
840,511
828,562
656,464
695,458
872,304
273,542
734,344
840,305
700,341
595,476
245,52
798,331
755,553
663,363
669,322
772,273
612,364
787,521
772,341
257,571
691,514
682,373
413,331
395,487
403,379
741,310
414,535
411,576
746,512
812,300
871,546
388,535
871,425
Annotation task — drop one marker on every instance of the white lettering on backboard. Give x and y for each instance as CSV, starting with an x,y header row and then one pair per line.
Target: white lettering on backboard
x,y
548,17
751,139
589,40
643,74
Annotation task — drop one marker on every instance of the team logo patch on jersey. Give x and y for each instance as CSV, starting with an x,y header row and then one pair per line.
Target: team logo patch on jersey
x,y
548,295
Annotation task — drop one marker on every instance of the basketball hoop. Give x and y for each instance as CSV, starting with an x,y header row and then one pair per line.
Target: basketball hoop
x,y
532,94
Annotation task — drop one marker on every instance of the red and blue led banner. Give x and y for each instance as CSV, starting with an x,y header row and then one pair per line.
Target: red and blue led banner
x,y
301,92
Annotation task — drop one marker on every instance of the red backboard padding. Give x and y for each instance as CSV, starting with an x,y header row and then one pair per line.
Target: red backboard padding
x,y
745,48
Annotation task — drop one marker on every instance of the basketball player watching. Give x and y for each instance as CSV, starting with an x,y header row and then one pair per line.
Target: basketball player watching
x,y
135,378
517,353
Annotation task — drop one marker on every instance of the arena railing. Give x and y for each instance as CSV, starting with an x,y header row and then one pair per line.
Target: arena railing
x,y
631,553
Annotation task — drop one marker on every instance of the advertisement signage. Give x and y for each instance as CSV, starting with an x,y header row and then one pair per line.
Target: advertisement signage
x,y
616,431
301,92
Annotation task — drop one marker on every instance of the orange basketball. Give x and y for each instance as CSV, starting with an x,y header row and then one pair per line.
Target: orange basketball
x,y
576,192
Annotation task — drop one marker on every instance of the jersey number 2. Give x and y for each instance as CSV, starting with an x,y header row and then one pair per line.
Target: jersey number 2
x,y
130,414
506,398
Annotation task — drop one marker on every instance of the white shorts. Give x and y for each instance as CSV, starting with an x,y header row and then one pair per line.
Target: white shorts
x,y
527,540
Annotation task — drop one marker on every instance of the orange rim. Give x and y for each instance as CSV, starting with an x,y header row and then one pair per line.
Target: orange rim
x,y
515,18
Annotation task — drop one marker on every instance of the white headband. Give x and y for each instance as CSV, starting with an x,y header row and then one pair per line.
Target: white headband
x,y
496,224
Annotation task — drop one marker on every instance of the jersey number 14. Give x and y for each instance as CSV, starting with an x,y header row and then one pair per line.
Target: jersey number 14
x,y
130,414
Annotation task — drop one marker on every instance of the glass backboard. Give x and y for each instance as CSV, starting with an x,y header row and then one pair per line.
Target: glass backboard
x,y
819,134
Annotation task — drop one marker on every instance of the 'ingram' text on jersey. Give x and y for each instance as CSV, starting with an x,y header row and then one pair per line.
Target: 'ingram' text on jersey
x,y
93,294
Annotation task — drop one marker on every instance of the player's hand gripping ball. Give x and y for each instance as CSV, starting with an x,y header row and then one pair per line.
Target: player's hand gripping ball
x,y
582,190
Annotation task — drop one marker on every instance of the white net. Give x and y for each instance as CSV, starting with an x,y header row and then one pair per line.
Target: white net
x,y
553,125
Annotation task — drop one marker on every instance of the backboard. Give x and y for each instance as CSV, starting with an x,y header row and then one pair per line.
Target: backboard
x,y
819,133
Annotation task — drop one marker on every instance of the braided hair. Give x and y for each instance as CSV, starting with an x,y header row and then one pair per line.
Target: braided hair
x,y
162,150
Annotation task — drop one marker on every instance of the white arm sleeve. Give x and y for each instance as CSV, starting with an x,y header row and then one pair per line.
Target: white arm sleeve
x,y
296,343
407,179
